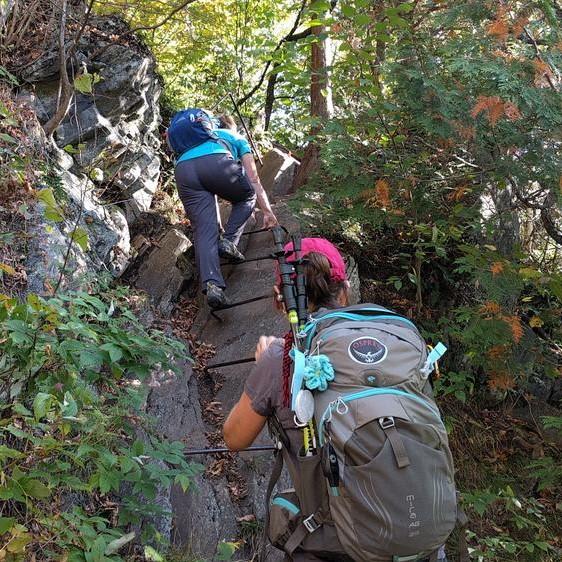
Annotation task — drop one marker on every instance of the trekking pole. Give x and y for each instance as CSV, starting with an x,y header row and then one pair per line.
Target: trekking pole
x,y
287,286
302,301
219,450
250,137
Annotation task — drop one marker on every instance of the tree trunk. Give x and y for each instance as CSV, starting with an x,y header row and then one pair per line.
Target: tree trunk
x,y
321,106
66,89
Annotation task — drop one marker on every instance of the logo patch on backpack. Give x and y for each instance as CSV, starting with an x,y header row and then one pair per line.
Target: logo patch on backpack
x,y
367,351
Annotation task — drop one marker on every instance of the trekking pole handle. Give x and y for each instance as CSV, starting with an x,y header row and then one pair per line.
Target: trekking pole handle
x,y
286,271
302,301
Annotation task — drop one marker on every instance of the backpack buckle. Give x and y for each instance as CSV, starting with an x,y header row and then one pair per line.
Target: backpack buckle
x,y
311,524
386,422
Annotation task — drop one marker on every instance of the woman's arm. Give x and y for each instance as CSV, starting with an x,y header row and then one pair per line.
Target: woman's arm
x,y
269,218
243,425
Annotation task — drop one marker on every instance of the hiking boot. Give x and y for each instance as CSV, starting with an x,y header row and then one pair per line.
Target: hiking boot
x,y
228,250
215,296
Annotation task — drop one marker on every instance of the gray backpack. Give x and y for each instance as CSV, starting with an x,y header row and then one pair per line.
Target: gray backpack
x,y
387,484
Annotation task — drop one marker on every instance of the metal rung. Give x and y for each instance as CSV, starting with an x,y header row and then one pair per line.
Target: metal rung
x,y
259,258
248,301
229,363
225,450
255,231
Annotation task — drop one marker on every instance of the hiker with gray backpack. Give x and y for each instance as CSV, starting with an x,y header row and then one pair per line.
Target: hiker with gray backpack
x,y
348,401
212,162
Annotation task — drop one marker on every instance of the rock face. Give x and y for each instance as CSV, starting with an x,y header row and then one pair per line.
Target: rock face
x,y
51,254
109,136
277,172
160,276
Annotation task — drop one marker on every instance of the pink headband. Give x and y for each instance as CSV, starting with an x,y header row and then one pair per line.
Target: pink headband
x,y
320,246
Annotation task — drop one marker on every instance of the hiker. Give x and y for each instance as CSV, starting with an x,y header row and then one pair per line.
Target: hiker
x,y
215,162
302,521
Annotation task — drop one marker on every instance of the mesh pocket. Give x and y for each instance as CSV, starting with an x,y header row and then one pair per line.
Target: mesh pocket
x,y
284,516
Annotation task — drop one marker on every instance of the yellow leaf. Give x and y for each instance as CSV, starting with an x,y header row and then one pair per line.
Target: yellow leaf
x,y
536,322
7,269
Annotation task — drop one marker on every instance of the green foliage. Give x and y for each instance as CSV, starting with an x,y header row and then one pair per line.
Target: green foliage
x,y
73,376
524,516
226,550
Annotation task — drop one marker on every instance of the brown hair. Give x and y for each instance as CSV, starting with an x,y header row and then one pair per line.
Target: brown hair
x,y
321,289
227,122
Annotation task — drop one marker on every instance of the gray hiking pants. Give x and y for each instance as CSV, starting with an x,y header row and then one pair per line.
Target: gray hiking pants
x,y
198,181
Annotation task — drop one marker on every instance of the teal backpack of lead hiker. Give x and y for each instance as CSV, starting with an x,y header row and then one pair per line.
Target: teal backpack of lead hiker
x,y
384,467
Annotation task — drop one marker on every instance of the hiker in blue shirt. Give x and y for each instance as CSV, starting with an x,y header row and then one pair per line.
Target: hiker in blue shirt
x,y
220,164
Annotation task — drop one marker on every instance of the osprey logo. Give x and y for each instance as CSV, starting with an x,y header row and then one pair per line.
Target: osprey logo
x,y
367,351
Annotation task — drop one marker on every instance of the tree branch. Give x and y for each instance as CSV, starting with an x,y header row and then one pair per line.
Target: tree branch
x,y
66,89
548,221
291,36
164,21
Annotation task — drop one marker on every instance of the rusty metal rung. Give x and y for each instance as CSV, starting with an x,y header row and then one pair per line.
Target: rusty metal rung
x,y
248,301
229,363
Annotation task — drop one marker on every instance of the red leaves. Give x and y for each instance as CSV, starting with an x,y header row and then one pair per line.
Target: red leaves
x,y
495,108
499,28
543,74
382,193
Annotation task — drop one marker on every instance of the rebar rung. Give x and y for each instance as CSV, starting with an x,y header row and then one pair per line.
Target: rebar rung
x,y
228,363
248,301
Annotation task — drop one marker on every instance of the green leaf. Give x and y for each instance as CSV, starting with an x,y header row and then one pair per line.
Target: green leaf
x,y
347,10
138,448
7,453
52,211
362,19
115,352
91,359
116,544
226,550
35,488
19,408
80,236
8,76
152,555
319,6
84,83
184,481
6,523
8,138
69,406
42,404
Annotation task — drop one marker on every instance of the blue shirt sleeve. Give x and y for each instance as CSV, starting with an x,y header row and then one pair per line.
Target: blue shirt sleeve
x,y
238,143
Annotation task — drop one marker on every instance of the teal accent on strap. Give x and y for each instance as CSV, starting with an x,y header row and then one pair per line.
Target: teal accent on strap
x,y
298,374
310,328
334,491
372,392
286,504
